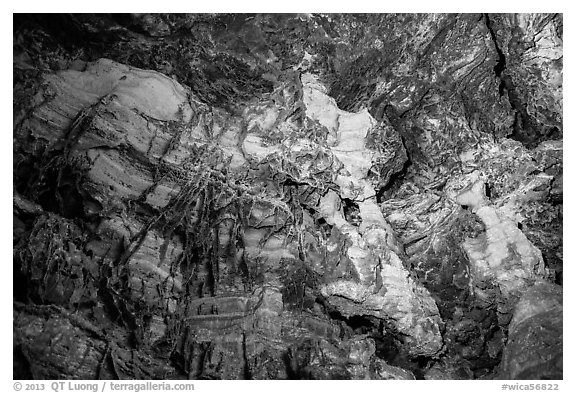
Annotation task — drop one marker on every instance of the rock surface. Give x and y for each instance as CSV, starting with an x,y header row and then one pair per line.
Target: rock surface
x,y
534,343
287,196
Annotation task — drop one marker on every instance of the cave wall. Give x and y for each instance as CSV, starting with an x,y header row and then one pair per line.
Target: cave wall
x,y
274,196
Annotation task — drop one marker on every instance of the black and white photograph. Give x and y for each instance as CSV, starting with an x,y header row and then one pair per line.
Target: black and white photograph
x,y
287,196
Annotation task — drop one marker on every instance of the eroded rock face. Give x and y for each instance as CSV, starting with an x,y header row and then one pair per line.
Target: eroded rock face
x,y
323,197
534,348
527,42
383,287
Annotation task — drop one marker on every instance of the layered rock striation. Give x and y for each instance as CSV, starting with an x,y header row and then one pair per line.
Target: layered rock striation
x,y
287,196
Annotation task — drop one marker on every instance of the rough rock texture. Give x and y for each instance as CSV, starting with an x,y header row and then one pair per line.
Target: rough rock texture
x,y
535,336
288,196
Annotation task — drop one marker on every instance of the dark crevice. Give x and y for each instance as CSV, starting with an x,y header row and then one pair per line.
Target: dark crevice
x,y
351,211
488,191
324,227
395,181
388,341
524,130
290,372
559,278
22,368
20,280
501,64
410,146
246,371
58,189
